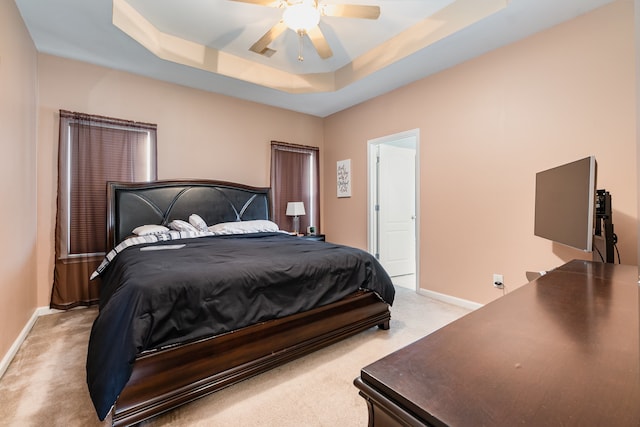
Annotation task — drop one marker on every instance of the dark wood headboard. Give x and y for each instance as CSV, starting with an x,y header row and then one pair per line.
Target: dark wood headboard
x,y
130,205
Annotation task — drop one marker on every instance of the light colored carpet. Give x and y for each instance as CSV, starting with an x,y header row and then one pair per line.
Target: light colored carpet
x,y
45,383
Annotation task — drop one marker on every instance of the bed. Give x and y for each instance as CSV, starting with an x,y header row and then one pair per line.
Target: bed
x,y
185,314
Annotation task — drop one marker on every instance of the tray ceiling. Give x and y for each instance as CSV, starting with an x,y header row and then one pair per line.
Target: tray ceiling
x,y
204,44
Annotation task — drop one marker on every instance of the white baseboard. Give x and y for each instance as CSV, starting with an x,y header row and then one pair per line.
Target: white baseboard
x,y
470,305
6,360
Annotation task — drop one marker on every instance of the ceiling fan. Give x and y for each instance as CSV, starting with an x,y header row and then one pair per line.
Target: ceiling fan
x,y
303,16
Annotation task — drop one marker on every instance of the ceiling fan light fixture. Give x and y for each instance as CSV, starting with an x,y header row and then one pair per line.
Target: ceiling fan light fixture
x,y
301,16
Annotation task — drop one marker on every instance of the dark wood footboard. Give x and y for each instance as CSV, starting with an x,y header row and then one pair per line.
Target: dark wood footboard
x,y
162,380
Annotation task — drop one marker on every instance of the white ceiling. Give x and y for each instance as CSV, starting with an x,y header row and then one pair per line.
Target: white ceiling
x,y
204,43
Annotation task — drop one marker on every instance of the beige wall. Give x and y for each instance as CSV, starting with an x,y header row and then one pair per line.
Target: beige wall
x,y
200,134
17,175
636,5
487,126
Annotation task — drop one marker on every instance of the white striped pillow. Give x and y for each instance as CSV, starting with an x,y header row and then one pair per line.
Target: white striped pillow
x,y
197,221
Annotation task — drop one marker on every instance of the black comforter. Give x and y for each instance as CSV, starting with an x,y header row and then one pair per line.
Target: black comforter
x,y
152,299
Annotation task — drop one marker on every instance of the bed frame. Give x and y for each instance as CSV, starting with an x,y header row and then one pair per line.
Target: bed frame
x,y
165,379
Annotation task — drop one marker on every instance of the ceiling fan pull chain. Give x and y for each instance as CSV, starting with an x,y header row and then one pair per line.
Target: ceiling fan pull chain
x,y
300,37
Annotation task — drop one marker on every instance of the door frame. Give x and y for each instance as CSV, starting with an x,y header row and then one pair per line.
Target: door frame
x,y
373,188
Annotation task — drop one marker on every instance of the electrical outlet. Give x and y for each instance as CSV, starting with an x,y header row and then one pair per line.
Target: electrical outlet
x,y
498,281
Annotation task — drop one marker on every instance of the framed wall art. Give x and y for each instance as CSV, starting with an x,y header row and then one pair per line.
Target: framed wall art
x,y
344,178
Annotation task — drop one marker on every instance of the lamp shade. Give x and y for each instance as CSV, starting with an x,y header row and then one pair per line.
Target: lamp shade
x,y
295,209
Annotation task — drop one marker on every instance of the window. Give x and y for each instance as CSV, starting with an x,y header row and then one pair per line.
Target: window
x,y
92,151
295,178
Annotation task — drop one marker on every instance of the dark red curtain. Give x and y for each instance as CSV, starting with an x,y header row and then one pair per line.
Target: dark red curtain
x,y
295,177
92,151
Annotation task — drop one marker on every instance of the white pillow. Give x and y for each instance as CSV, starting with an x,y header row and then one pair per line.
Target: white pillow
x,y
143,230
197,221
180,225
242,227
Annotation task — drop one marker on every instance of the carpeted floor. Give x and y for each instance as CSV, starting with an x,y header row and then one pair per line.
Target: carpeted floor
x,y
45,383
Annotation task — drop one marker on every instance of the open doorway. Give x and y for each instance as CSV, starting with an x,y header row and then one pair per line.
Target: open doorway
x,y
393,205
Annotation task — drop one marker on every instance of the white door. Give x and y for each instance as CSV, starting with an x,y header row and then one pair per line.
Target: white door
x,y
396,209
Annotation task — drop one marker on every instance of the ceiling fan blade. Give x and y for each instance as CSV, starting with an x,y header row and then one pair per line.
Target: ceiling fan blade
x,y
319,42
351,11
271,3
261,46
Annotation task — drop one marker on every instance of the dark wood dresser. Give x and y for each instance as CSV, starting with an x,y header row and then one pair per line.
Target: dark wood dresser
x,y
563,350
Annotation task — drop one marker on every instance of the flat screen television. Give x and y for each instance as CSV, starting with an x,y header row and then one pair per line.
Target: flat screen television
x,y
565,203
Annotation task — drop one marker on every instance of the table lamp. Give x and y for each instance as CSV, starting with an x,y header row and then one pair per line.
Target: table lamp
x,y
295,209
